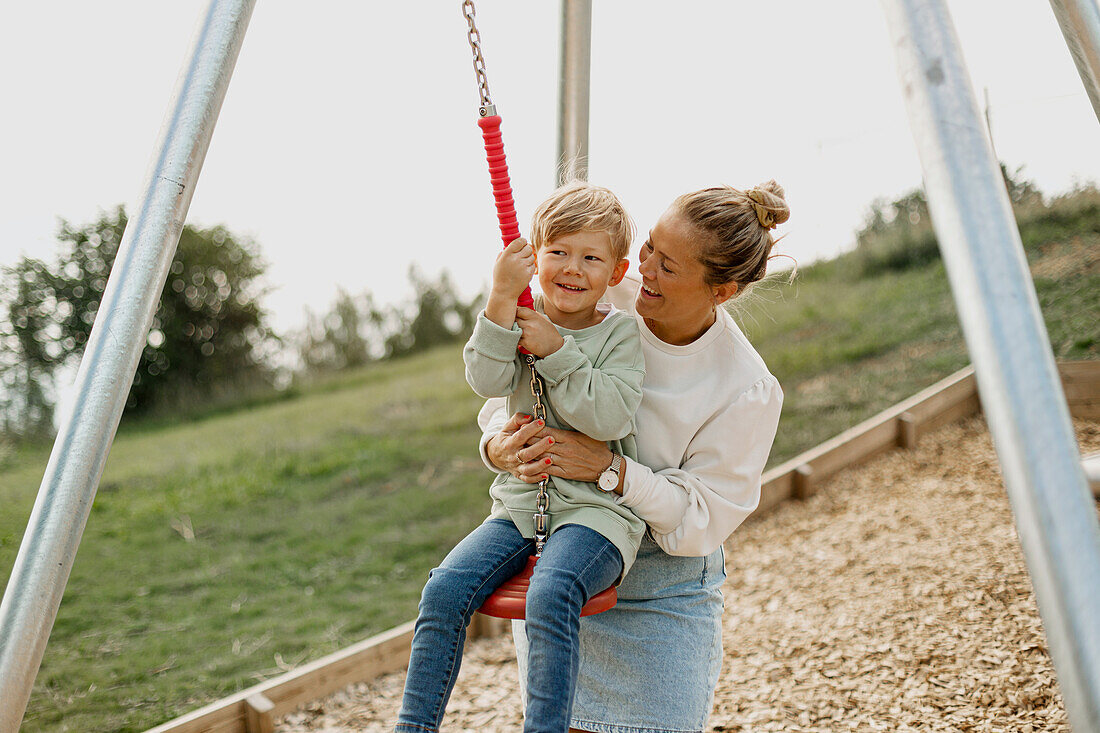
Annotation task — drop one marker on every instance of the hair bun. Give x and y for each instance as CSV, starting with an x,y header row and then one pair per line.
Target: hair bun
x,y
770,203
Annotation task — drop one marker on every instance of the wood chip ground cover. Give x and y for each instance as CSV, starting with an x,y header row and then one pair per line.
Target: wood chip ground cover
x,y
895,599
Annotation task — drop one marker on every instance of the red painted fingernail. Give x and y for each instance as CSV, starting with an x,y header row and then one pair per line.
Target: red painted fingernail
x,y
541,423
545,476
551,441
548,461
526,417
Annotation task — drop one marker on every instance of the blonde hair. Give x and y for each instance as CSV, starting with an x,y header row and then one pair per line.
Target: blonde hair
x,y
579,206
737,225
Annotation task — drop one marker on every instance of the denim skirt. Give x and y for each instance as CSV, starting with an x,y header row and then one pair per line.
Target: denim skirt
x,y
651,663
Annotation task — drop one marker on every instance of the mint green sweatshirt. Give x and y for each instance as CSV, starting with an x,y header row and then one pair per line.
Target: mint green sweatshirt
x,y
594,386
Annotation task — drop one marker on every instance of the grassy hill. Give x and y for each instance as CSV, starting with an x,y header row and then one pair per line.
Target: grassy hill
x,y
230,548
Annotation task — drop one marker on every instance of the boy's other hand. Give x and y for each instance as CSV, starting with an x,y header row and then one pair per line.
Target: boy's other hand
x,y
513,269
540,337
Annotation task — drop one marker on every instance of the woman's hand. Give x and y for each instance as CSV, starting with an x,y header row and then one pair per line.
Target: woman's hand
x,y
518,448
539,335
574,455
529,450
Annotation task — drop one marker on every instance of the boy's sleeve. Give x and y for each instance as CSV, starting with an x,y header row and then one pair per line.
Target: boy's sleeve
x,y
492,363
598,399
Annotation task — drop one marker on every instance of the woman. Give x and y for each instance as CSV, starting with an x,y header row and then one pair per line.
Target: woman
x,y
706,423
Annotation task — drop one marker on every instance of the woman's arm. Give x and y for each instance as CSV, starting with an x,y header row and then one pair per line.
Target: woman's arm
x,y
693,508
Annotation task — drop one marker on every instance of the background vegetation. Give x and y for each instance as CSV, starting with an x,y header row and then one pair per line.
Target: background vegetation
x,y
231,546
208,335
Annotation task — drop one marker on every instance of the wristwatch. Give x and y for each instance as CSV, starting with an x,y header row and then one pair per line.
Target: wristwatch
x,y
609,479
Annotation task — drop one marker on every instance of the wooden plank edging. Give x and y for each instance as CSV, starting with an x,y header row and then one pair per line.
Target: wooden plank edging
x,y
904,422
254,709
946,401
378,655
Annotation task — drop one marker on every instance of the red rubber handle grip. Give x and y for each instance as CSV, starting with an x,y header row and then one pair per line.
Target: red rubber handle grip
x,y
502,189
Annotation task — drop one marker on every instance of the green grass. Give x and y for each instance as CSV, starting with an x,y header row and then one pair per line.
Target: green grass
x,y
845,349
228,548
314,522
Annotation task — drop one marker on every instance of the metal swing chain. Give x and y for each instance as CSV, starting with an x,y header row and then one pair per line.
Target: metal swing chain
x,y
474,37
542,501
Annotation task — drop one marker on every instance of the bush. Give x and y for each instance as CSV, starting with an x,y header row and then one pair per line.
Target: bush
x,y
355,331
898,234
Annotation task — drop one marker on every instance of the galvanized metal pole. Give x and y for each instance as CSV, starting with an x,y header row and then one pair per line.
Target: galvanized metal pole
x,y
1017,379
118,336
576,65
1080,23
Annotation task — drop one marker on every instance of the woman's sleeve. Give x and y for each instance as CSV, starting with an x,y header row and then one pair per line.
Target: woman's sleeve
x,y
691,510
492,365
491,419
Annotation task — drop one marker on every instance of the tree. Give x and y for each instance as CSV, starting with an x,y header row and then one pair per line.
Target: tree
x,y
25,412
355,331
342,338
439,315
1021,191
208,332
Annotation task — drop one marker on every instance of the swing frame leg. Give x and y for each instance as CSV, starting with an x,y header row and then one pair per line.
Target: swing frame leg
x,y
110,360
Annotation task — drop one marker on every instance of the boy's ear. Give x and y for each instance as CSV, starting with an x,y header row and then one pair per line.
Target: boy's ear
x,y
619,272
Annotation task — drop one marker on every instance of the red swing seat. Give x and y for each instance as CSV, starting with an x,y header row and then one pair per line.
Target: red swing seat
x,y
510,599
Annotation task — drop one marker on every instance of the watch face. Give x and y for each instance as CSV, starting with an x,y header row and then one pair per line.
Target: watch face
x,y
609,480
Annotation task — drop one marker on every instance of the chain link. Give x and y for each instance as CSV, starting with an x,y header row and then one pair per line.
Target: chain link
x,y
542,501
474,37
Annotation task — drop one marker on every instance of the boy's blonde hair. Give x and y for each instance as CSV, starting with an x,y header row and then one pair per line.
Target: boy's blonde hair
x,y
578,206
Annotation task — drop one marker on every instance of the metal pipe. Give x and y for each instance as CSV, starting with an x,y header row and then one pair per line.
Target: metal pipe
x,y
110,359
1080,23
1018,382
576,65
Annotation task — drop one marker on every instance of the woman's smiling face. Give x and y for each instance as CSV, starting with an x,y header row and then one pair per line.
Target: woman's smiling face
x,y
675,300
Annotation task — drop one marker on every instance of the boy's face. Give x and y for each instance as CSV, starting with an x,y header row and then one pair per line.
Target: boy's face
x,y
574,271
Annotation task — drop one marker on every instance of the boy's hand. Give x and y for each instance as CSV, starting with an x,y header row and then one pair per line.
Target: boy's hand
x,y
513,269
539,335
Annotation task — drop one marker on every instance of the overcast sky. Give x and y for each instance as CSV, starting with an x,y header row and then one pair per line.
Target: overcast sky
x,y
348,146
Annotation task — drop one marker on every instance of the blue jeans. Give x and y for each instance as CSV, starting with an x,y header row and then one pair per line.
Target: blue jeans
x,y
651,663
576,563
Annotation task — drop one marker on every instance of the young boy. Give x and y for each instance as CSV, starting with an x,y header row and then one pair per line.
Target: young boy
x,y
590,358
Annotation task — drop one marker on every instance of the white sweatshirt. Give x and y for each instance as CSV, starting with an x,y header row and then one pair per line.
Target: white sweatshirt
x,y
706,424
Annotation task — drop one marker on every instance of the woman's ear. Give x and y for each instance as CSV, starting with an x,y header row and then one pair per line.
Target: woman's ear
x,y
724,292
619,272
